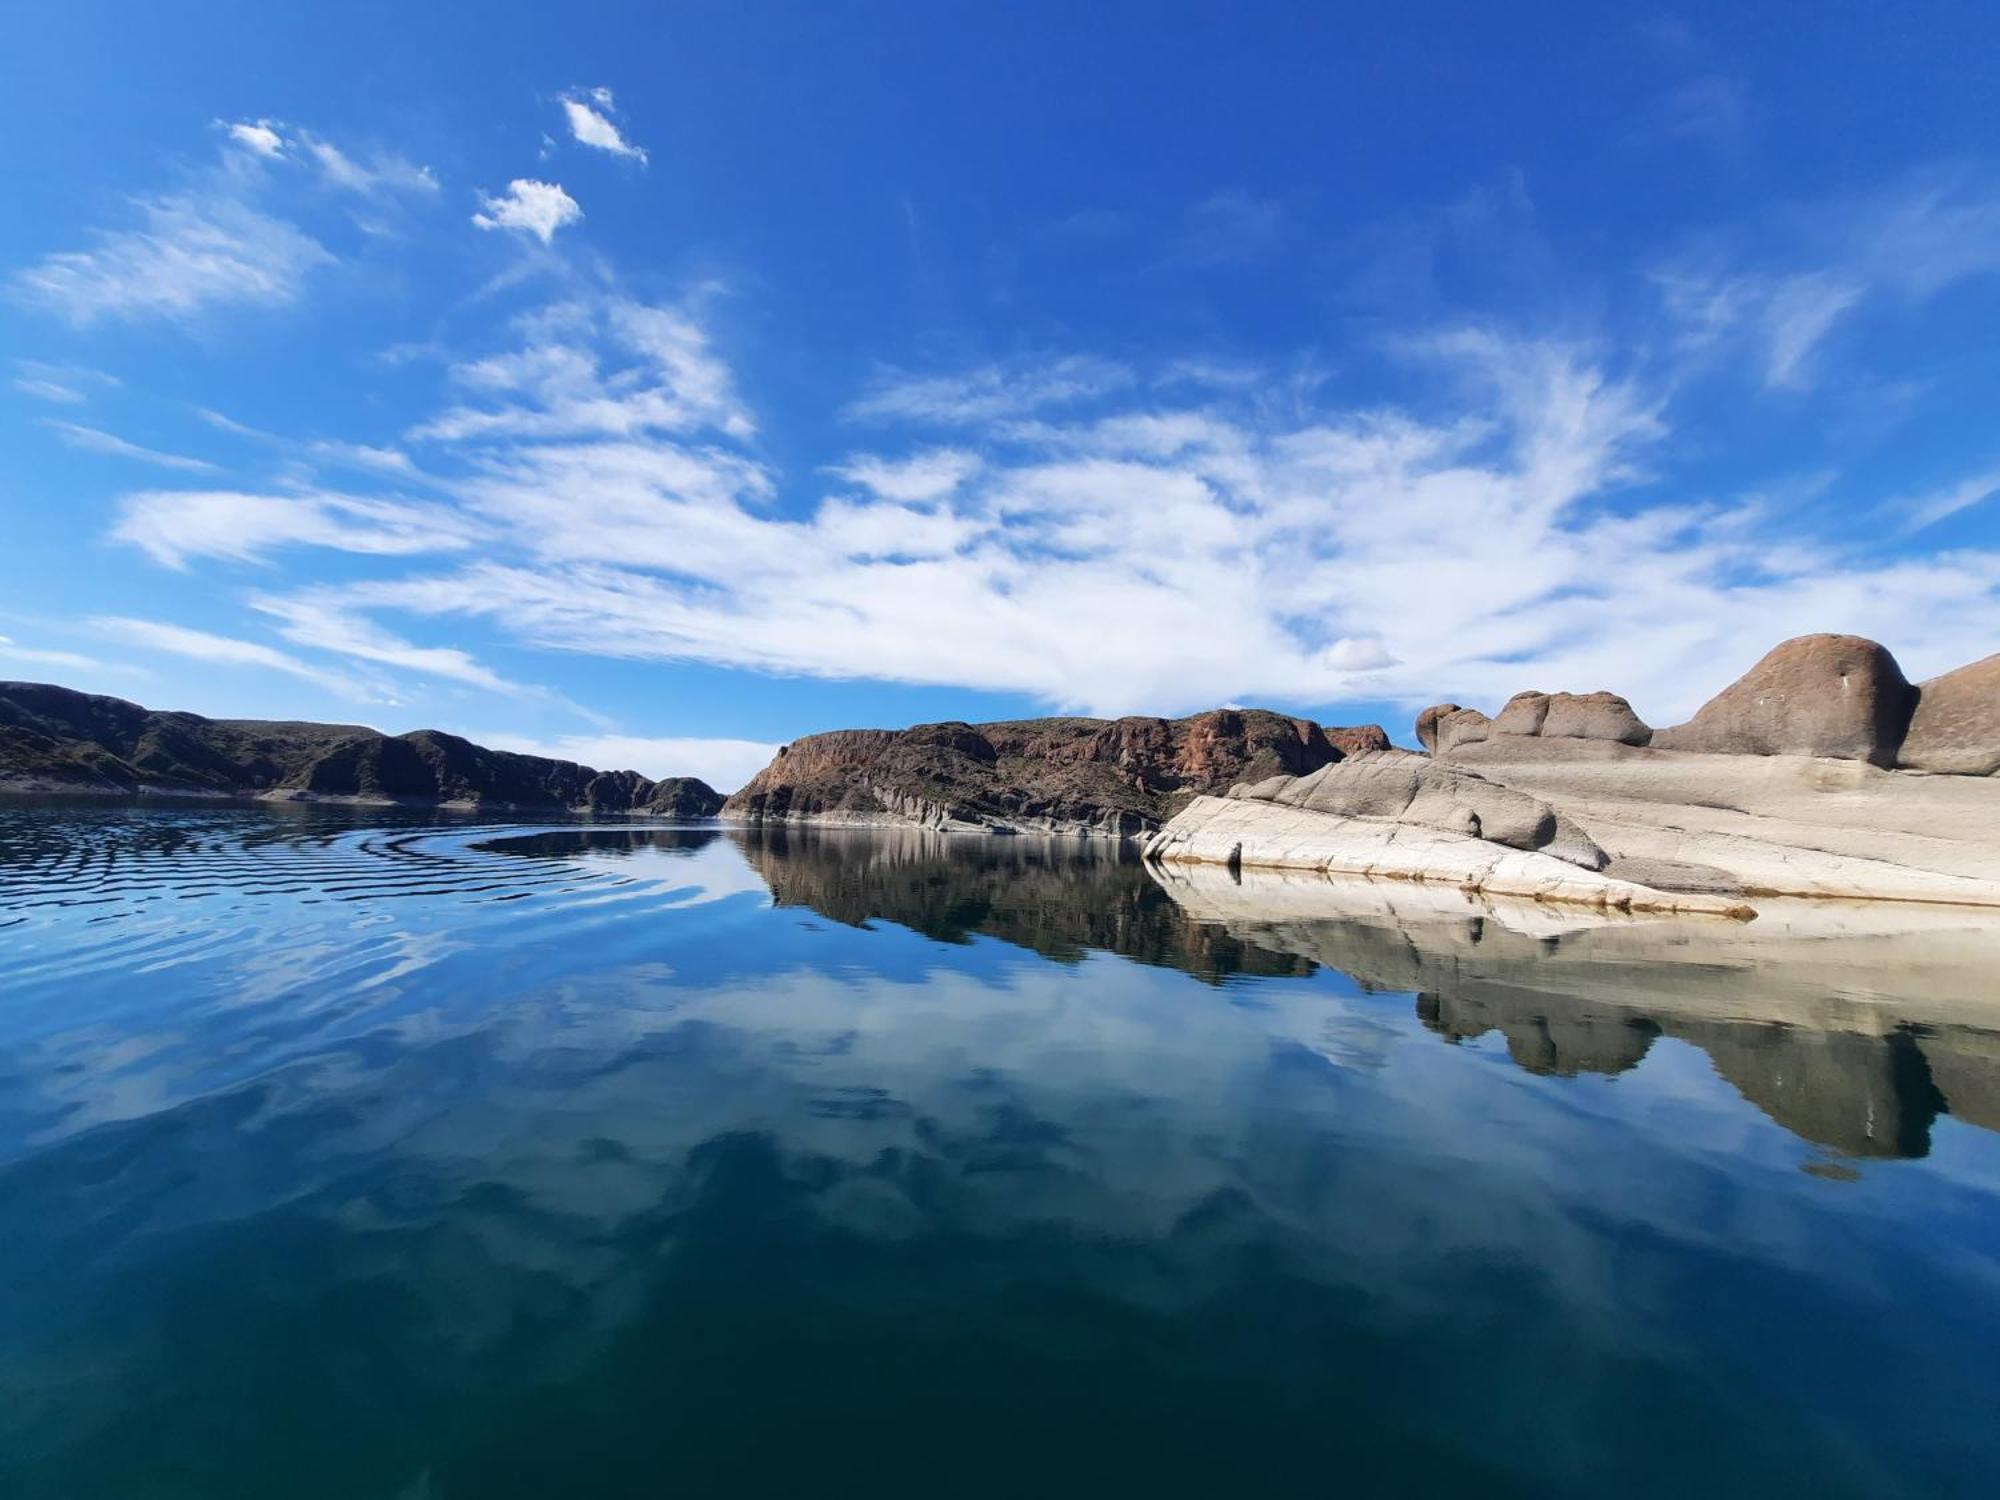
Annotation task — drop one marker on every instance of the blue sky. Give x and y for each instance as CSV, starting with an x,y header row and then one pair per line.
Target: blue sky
x,y
654,384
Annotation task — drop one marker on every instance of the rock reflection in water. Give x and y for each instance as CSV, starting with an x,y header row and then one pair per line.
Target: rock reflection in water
x,y
499,1160
1854,1027
1058,897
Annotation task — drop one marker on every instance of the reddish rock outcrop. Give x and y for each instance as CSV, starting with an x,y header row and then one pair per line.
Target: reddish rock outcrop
x,y
1353,739
1120,776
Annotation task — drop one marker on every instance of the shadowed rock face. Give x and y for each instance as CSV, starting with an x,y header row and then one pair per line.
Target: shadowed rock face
x,y
1837,696
1120,776
55,740
1956,726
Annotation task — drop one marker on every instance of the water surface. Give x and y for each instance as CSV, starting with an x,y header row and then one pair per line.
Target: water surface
x,y
416,1157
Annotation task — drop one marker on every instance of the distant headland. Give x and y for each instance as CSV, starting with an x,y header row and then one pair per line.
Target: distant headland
x,y
56,740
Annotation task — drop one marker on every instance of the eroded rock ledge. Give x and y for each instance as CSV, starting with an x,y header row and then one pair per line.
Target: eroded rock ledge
x,y
1821,772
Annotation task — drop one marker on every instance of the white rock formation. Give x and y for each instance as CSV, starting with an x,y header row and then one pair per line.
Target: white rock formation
x,y
1271,835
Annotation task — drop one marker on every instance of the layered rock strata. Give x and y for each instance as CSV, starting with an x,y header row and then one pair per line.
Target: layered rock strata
x,y
1119,777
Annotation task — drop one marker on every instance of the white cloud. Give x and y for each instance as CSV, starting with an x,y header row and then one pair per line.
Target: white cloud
x,y
95,441
259,137
536,208
363,456
222,650
724,764
989,392
1905,245
173,526
65,385
195,252
930,475
378,174
612,368
308,621
1114,555
1927,510
75,661
590,124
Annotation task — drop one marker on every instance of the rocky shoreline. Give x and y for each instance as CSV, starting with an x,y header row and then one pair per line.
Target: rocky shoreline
x,y
1822,772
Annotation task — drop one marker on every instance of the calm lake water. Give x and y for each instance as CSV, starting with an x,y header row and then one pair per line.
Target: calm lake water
x,y
432,1159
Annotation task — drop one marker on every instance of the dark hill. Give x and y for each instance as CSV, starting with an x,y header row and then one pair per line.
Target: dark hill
x,y
53,739
1120,776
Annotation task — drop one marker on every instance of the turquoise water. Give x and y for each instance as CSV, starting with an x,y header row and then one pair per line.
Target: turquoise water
x,y
433,1159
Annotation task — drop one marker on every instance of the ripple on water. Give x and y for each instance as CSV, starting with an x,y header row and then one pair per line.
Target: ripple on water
x,y
142,891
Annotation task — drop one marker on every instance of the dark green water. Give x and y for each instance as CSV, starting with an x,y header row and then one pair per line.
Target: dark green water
x,y
433,1160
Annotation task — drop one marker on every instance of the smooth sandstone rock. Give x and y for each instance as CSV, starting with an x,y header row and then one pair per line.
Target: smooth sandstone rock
x,y
1521,714
1956,727
1269,835
1778,824
1462,726
1397,786
1834,696
1594,716
1427,723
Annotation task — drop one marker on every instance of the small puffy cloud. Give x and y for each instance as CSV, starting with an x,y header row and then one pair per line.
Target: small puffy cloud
x,y
537,208
591,125
259,137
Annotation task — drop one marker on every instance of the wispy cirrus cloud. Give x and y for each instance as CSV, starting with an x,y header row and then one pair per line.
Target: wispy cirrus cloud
x,y
325,626
1900,246
1920,511
60,384
190,253
986,393
94,440
229,651
12,650
176,526
216,242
